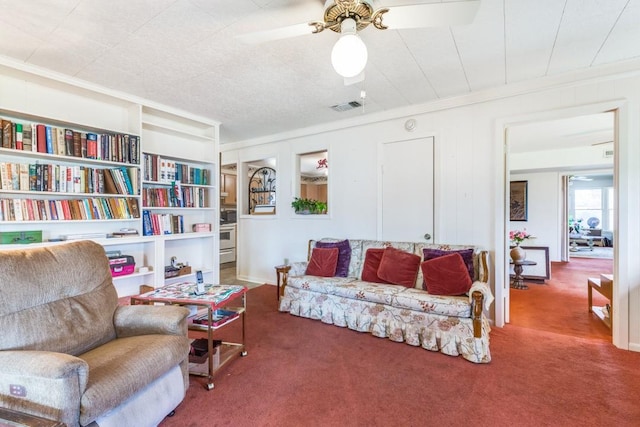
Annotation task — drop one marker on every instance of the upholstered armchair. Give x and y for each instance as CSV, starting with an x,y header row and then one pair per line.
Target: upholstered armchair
x,y
69,352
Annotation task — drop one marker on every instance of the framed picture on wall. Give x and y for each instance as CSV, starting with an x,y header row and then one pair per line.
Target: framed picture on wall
x,y
518,201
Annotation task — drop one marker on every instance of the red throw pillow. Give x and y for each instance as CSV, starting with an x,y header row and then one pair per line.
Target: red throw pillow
x,y
446,275
399,267
323,262
372,260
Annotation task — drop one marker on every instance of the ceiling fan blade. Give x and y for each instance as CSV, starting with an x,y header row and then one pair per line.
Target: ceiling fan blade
x,y
431,15
277,33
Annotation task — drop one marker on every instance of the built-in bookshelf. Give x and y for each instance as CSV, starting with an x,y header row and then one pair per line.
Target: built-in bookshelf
x,y
83,162
44,175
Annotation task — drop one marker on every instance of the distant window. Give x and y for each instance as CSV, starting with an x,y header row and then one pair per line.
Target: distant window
x,y
260,192
314,176
588,204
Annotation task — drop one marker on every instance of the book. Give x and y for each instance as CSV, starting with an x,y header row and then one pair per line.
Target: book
x,y
147,228
49,139
19,136
83,144
24,177
218,317
41,136
61,147
26,138
68,142
92,146
77,144
7,134
127,180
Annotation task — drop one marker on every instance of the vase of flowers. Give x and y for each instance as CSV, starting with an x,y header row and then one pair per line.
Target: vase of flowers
x,y
516,237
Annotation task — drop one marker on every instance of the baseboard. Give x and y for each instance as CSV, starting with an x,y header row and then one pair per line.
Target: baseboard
x,y
634,347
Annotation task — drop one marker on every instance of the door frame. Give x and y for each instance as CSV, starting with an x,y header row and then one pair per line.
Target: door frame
x,y
625,225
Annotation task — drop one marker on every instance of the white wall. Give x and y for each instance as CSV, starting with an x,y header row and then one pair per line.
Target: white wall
x,y
544,211
470,184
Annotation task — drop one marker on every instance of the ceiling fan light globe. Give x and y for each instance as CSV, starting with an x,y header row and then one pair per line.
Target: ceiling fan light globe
x,y
349,55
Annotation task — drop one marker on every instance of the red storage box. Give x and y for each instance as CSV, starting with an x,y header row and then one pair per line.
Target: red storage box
x,y
122,265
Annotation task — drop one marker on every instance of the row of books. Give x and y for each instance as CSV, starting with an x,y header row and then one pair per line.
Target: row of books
x,y
43,138
69,179
175,197
90,208
159,224
159,169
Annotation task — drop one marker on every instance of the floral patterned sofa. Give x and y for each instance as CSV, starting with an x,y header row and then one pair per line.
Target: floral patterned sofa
x,y
453,325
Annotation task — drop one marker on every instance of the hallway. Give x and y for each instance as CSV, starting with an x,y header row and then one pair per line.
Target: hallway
x,y
560,305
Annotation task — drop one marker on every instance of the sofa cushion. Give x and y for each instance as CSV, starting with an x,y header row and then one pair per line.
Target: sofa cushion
x,y
419,300
446,275
344,255
399,267
124,366
323,285
379,293
467,256
323,262
371,264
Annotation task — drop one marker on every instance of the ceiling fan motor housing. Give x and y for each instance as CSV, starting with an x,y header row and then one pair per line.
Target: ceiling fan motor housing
x,y
337,11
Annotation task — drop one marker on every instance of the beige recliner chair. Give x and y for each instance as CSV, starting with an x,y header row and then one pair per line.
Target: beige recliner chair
x,y
68,352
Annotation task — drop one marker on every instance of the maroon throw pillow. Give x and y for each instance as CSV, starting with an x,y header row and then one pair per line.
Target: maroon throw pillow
x,y
399,267
323,262
446,275
372,260
467,257
344,255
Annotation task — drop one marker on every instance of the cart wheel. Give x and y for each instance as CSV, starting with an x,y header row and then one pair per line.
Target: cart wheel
x,y
244,353
209,386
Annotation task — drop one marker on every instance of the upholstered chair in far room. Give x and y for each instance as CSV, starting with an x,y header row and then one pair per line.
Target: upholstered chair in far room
x,y
69,352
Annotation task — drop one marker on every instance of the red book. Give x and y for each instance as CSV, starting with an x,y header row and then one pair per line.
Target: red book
x,y
42,138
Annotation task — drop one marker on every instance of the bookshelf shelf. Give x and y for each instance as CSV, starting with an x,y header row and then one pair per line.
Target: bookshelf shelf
x,y
126,129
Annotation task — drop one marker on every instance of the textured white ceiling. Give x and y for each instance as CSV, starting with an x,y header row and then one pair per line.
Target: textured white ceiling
x,y
184,53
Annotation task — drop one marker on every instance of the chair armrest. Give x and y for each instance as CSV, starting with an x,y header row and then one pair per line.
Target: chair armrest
x,y
485,290
133,320
53,383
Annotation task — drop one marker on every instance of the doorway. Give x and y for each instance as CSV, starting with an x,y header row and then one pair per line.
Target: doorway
x,y
407,165
549,155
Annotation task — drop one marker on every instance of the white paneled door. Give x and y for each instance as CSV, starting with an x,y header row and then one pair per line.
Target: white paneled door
x,y
407,190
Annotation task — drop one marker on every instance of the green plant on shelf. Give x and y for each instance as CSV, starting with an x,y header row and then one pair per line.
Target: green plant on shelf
x,y
308,206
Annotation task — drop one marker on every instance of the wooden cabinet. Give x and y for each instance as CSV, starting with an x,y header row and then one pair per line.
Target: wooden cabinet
x,y
314,191
228,186
130,132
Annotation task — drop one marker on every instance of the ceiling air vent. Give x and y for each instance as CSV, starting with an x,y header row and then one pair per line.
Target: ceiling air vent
x,y
346,106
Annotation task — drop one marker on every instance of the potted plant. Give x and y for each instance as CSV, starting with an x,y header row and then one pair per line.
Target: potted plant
x,y
308,206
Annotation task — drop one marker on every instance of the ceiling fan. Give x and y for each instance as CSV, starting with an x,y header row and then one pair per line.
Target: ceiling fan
x,y
347,17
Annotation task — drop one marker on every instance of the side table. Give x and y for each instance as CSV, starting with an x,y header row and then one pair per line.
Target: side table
x,y
518,266
282,272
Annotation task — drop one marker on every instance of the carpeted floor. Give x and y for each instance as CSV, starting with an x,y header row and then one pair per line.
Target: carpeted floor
x,y
301,372
560,305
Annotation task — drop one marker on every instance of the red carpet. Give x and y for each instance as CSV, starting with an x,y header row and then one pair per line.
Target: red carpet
x,y
560,305
303,372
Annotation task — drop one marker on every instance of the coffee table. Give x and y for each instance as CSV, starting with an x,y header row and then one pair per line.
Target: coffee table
x,y
218,306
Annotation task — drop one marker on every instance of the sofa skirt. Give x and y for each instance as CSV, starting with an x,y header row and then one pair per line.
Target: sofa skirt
x,y
447,334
